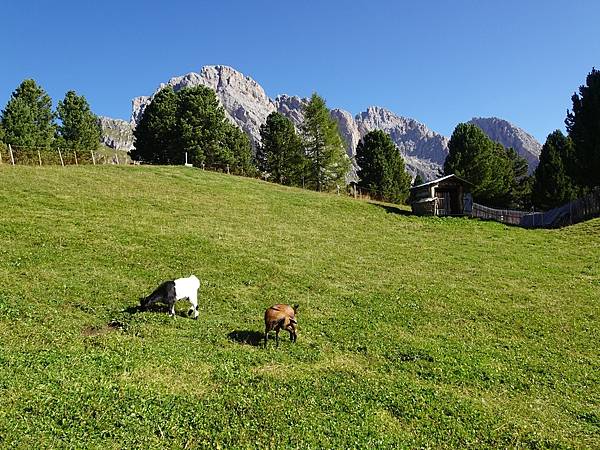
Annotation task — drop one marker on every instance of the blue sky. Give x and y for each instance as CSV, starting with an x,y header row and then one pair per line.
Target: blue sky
x,y
440,62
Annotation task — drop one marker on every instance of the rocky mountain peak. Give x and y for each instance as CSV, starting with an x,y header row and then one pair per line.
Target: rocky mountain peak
x,y
509,135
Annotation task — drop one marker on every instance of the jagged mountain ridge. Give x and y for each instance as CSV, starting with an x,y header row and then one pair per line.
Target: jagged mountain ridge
x,y
509,135
247,105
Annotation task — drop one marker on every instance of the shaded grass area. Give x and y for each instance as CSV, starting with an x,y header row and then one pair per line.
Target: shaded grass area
x,y
413,331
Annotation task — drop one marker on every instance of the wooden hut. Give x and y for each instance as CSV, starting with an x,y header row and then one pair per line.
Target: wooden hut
x,y
446,196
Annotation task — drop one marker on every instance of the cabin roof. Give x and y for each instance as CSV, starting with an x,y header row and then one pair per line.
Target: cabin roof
x,y
438,180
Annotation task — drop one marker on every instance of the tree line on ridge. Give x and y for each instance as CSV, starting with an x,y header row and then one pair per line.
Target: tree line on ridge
x,y
192,122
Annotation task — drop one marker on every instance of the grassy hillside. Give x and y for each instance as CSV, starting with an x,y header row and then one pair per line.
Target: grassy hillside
x,y
413,331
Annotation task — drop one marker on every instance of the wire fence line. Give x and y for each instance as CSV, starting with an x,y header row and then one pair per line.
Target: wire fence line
x,y
578,210
39,156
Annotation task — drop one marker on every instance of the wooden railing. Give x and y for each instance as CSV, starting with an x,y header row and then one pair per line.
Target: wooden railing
x,y
578,210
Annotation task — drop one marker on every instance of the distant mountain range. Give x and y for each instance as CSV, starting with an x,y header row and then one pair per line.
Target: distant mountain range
x,y
247,105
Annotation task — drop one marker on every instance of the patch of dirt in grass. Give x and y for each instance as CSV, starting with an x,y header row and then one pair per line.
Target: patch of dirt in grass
x,y
95,330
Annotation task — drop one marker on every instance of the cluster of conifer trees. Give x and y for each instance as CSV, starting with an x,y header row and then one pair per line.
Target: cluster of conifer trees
x,y
28,120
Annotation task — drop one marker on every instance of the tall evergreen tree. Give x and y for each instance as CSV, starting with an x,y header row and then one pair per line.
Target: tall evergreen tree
x,y
328,163
281,153
79,128
203,127
28,120
500,185
521,182
469,154
156,135
474,157
382,168
583,126
418,179
552,184
241,148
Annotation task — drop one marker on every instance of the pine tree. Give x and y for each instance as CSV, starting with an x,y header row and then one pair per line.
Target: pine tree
x,y
498,187
156,135
552,184
241,148
470,153
79,128
488,165
328,163
418,180
191,121
382,168
521,182
203,128
583,126
28,120
281,153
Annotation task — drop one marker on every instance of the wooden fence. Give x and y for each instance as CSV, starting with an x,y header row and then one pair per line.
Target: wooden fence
x,y
578,210
507,216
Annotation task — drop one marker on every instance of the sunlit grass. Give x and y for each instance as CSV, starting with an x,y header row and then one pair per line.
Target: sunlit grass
x,y
413,331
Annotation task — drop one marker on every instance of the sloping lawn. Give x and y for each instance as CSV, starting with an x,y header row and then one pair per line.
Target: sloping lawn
x,y
413,331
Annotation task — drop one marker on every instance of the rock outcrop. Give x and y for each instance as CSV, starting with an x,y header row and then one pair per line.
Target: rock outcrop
x,y
291,107
509,135
116,133
348,130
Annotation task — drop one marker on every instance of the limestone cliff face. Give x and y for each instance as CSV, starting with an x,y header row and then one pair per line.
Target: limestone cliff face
x,y
509,135
291,107
348,130
116,133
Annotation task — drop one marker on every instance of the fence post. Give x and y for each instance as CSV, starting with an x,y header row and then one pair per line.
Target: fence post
x,y
12,157
75,153
61,159
117,157
93,158
39,157
0,157
227,169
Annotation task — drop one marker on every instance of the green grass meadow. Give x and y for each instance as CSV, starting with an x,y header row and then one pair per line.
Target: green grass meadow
x,y
413,332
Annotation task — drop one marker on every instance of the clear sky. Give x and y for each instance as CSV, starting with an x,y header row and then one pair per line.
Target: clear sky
x,y
439,62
